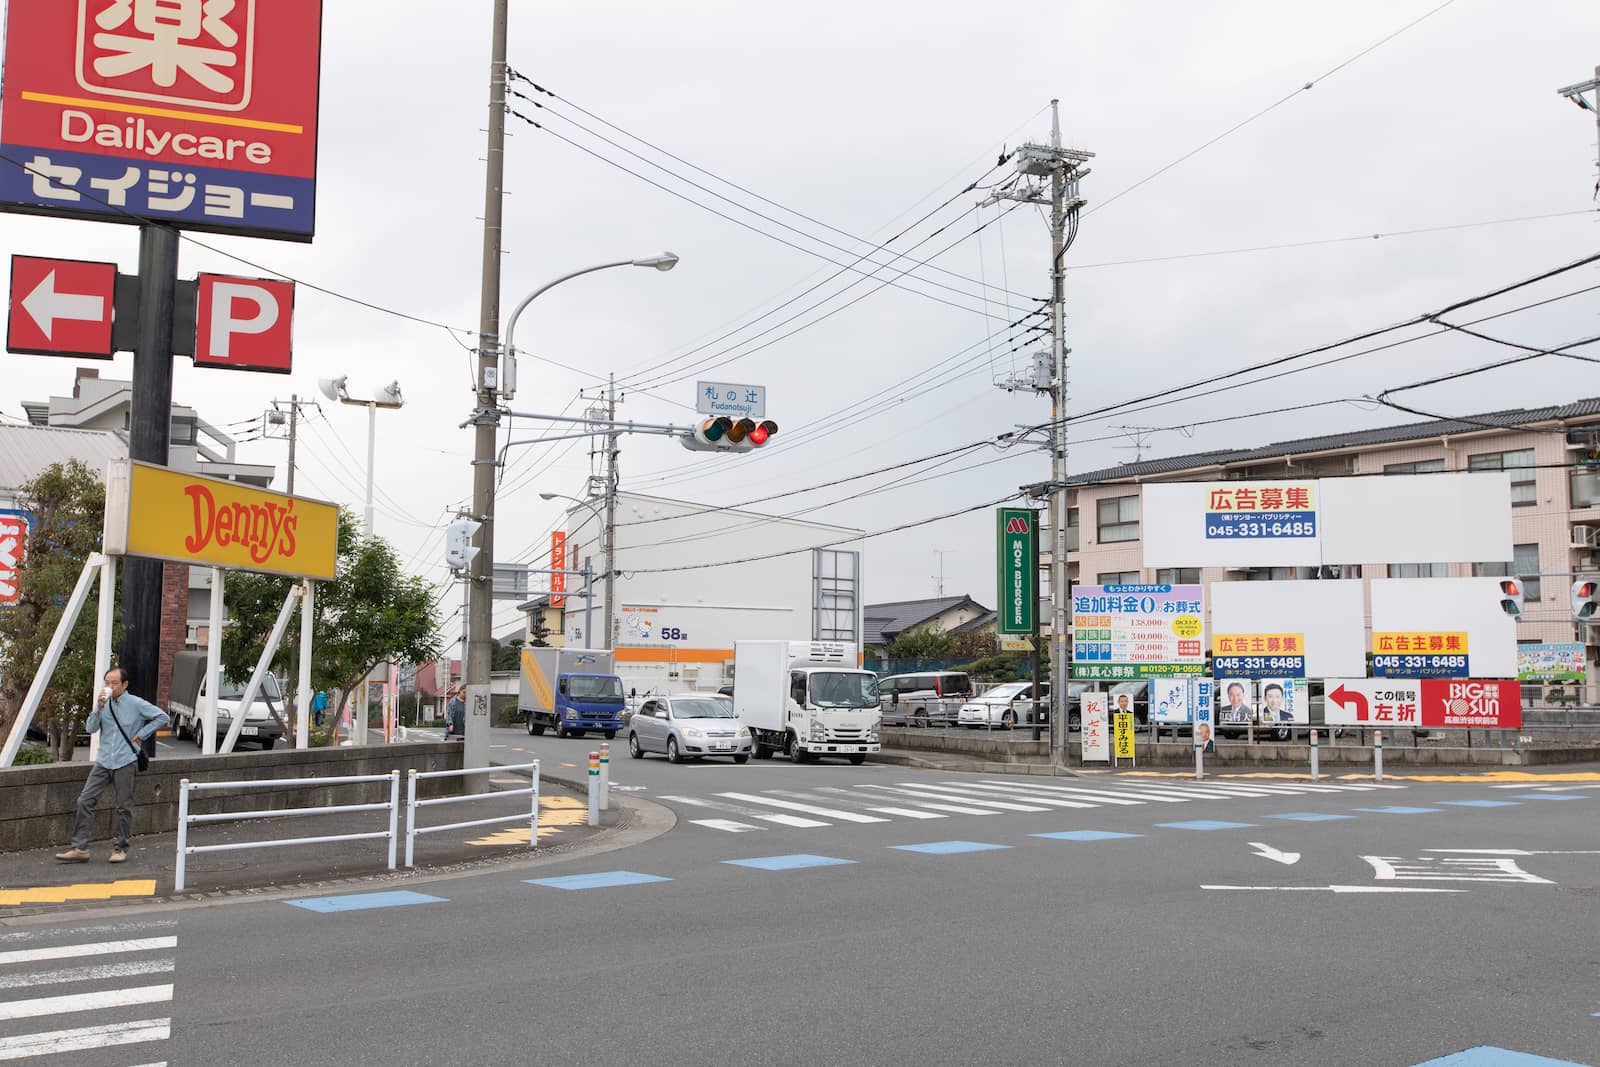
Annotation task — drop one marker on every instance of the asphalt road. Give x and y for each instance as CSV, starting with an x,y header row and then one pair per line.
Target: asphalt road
x,y
1369,948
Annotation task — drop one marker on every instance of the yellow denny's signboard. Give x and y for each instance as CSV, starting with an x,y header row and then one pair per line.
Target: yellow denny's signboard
x,y
167,514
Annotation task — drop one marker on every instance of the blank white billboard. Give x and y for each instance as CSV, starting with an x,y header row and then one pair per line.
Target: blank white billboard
x,y
1330,615
1417,518
1448,606
1411,518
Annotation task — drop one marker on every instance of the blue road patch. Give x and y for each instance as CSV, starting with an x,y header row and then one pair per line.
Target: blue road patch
x,y
599,880
948,848
795,862
1481,803
1489,1056
363,901
1086,835
1551,796
1400,809
1205,824
1309,816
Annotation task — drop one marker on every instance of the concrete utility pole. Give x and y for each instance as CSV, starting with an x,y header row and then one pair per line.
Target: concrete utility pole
x,y
1064,166
1575,94
486,418
294,432
608,620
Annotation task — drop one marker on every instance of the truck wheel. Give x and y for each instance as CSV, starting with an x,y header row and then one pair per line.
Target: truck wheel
x,y
633,746
673,756
266,746
561,731
611,735
534,729
760,751
858,758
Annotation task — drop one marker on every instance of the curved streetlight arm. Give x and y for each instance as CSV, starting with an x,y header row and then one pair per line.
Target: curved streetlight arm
x,y
508,369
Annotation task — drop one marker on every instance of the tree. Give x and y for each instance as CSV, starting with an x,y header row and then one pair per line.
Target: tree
x,y
368,613
507,656
538,631
68,503
921,643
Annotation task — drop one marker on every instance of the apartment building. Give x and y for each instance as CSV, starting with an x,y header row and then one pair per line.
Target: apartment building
x,y
1555,501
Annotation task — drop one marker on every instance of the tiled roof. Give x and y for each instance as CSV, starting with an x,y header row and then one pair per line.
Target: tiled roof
x,y
1384,435
885,621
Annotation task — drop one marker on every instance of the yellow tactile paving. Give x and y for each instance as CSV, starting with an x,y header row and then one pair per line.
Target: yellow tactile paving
x,y
554,813
61,894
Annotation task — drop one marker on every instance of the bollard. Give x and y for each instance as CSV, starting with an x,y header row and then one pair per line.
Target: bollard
x,y
1314,774
183,835
1199,759
594,789
1377,755
605,777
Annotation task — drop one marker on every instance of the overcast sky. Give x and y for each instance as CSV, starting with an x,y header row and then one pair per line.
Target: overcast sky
x,y
866,116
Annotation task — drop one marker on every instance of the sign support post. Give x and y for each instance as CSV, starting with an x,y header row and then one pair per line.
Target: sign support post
x,y
1038,705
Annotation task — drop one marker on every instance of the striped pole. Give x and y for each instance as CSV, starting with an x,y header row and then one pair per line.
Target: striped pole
x,y
605,776
1377,755
1314,774
594,789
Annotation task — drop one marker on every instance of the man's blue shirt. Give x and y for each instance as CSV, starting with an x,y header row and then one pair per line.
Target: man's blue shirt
x,y
138,717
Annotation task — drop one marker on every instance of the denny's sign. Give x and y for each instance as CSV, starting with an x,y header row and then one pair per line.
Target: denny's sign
x,y
167,514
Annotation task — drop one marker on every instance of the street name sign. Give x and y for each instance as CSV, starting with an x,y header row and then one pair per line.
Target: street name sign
x,y
731,399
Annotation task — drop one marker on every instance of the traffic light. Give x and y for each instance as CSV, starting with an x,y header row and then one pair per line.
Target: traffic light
x,y
723,434
1585,599
458,549
1511,596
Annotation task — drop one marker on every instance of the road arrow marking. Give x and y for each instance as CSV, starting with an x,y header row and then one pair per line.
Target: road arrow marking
x,y
1267,852
45,305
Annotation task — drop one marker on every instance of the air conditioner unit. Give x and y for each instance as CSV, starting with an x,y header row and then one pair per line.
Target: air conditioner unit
x,y
1583,536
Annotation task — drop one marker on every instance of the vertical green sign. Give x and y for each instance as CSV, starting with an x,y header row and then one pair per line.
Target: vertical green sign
x,y
1018,600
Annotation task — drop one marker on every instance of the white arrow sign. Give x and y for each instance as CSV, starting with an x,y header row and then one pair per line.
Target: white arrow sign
x,y
45,305
1269,853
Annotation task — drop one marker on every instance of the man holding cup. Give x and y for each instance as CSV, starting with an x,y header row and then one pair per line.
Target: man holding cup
x,y
124,721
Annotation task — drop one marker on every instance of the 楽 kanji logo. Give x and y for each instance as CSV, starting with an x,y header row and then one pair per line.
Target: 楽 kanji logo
x,y
193,52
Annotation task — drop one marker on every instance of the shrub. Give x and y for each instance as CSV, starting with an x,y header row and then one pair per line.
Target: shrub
x,y
29,755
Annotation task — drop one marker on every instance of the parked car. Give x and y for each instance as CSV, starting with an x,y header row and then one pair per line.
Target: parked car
x,y
925,698
688,726
1005,705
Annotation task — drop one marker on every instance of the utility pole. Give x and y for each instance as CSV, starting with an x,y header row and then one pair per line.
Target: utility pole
x,y
939,587
486,418
611,512
294,431
1064,167
1575,94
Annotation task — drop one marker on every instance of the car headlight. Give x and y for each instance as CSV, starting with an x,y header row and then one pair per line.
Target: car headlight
x,y
692,731
744,731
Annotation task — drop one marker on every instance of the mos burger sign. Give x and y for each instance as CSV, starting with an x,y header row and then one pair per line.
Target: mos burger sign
x,y
166,514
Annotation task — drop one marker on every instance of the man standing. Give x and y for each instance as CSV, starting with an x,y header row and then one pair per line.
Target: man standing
x,y
455,716
124,721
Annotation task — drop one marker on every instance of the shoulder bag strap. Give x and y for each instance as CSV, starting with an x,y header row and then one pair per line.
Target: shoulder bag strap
x,y
110,707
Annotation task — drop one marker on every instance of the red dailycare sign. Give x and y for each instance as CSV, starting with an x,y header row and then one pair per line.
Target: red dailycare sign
x,y
61,307
1449,703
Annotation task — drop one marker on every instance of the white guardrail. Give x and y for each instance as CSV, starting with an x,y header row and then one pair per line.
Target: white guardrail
x,y
412,804
186,787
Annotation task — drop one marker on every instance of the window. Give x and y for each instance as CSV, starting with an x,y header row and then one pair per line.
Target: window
x,y
1585,487
1524,564
1072,529
833,609
1118,578
183,432
1419,570
1179,576
1421,466
1119,519
1278,574
1524,489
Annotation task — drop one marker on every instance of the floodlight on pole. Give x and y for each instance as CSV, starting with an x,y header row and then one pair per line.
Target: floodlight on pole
x,y
388,397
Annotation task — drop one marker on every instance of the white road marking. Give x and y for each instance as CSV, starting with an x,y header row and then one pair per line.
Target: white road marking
x,y
1519,852
1269,853
1038,792
62,952
84,931
85,974
956,809
910,813
106,998
943,793
730,825
1334,889
749,813
55,1041
1056,801
810,809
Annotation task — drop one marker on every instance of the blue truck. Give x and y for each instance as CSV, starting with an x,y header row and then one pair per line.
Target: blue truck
x,y
572,691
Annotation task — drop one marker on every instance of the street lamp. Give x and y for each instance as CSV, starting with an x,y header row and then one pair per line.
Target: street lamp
x,y
388,397
588,593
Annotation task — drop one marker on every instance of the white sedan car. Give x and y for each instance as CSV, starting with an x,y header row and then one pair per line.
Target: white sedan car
x,y
1004,705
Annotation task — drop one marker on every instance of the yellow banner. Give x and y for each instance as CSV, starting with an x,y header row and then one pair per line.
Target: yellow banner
x,y
215,523
1123,725
1415,642
1258,644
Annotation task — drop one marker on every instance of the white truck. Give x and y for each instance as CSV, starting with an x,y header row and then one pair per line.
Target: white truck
x,y
806,699
570,691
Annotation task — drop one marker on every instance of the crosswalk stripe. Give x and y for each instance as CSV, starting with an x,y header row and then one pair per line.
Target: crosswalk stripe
x,y
956,809
62,952
49,1042
809,809
966,798
731,825
1133,791
851,796
749,813
971,804
85,931
105,998
1034,792
910,813
1031,797
85,974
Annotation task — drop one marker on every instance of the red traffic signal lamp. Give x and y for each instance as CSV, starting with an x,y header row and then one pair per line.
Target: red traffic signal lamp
x,y
1585,599
723,434
1511,596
